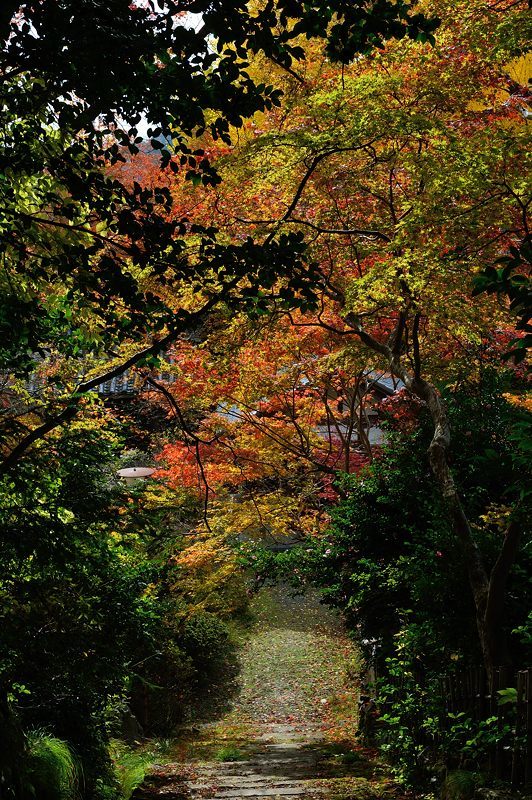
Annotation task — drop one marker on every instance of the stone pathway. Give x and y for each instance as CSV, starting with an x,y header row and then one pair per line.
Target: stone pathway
x,y
290,733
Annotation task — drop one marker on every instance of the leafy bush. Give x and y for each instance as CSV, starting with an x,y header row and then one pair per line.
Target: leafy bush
x,y
73,615
205,639
411,713
473,739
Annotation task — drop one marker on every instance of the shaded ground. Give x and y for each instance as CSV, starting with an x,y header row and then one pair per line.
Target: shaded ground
x,y
290,731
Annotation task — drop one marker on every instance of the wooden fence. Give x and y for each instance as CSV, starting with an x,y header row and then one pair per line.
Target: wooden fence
x,y
470,692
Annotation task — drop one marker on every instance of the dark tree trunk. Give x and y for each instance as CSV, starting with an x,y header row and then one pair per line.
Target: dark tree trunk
x,y
488,591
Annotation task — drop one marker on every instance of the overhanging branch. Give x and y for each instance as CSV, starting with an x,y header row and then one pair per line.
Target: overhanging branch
x,y
73,403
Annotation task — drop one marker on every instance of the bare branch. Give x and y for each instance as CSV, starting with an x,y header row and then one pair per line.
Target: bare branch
x,y
366,233
288,69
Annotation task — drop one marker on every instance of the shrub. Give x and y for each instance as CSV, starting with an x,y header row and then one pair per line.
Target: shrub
x,y
76,615
410,719
205,639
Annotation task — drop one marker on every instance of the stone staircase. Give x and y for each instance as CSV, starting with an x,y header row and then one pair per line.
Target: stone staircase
x,y
294,697
281,762
277,771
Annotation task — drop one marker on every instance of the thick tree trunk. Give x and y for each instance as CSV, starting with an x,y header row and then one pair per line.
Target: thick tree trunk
x,y
488,590
438,451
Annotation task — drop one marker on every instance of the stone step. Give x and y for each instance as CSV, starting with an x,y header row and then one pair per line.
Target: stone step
x,y
254,767
245,782
258,774
259,792
246,779
260,771
257,796
279,756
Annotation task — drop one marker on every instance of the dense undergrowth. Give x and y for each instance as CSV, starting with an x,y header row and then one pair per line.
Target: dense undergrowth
x,y
105,632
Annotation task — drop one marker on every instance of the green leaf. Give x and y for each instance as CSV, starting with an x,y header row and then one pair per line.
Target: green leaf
x,y
506,696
